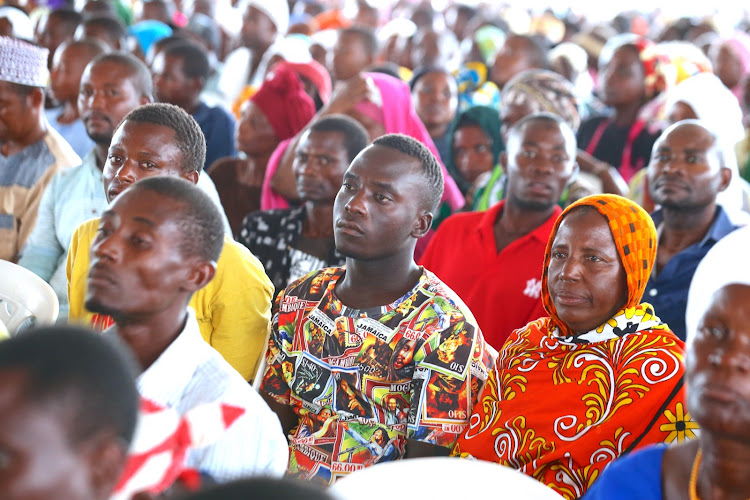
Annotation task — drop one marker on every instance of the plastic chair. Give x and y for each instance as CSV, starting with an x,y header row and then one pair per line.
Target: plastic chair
x,y
441,478
26,299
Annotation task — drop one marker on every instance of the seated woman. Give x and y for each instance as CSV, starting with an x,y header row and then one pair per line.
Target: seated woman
x,y
435,97
716,374
601,375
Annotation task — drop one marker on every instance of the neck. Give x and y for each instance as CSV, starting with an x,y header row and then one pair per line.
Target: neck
x,y
32,134
723,468
254,169
100,152
192,105
627,114
318,220
682,228
517,220
150,336
437,129
377,283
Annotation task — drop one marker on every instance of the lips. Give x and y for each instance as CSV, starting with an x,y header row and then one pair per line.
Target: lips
x,y
348,227
567,298
720,393
96,117
670,184
539,188
100,275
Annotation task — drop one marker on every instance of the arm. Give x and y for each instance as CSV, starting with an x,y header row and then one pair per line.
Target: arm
x,y
43,251
612,181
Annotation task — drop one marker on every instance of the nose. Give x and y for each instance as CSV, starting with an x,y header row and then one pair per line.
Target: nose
x,y
356,204
106,247
570,270
126,173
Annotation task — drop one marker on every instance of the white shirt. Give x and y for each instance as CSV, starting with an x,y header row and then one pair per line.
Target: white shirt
x,y
191,372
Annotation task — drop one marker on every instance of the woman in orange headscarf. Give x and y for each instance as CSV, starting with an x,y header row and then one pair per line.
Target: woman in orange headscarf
x,y
597,378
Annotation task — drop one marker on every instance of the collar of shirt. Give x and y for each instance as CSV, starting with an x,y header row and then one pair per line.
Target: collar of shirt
x,y
164,381
720,227
486,226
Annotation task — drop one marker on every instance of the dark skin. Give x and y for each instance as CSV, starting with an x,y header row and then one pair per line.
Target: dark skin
x,y
22,121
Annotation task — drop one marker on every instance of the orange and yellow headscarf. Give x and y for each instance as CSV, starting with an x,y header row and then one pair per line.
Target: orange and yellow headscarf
x,y
635,238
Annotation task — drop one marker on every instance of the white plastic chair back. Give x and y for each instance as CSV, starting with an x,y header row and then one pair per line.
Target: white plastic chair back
x,y
26,299
447,478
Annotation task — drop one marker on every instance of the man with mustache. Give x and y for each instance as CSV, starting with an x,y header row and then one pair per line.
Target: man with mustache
x,y
493,259
689,167
234,309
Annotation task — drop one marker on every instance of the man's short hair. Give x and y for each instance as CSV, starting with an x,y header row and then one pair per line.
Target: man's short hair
x,y
542,117
69,18
355,135
139,73
114,28
188,134
369,40
198,217
88,376
194,59
431,170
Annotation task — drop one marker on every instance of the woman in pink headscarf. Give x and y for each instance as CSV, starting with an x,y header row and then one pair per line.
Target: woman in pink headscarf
x,y
383,105
730,57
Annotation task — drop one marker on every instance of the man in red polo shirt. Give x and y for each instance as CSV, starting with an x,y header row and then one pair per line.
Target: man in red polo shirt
x,y
493,259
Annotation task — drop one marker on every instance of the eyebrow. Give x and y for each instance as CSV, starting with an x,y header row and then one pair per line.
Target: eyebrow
x,y
144,220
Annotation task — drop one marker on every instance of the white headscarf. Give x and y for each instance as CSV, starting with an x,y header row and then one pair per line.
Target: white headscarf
x,y
725,264
719,111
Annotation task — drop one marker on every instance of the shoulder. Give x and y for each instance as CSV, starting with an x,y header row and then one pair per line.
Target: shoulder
x,y
86,231
235,257
313,285
617,479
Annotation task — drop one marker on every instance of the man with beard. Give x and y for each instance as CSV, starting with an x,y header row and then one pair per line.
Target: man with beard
x,y
385,204
493,259
688,168
112,86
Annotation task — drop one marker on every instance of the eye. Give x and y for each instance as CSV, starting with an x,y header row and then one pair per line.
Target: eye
x,y
346,186
558,255
112,93
663,157
527,154
381,198
148,165
324,161
692,159
594,258
114,159
139,242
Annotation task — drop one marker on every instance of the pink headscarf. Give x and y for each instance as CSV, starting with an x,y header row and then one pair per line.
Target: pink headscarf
x,y
398,116
739,42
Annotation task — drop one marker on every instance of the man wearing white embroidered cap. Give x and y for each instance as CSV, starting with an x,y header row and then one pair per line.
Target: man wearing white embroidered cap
x,y
263,22
31,152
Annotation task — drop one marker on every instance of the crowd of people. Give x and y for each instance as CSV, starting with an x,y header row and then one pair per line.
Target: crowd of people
x,y
291,240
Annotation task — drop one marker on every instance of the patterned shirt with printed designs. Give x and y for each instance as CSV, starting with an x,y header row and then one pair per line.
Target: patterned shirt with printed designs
x,y
364,381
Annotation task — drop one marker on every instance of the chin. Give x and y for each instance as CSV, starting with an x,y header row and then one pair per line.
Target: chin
x,y
98,306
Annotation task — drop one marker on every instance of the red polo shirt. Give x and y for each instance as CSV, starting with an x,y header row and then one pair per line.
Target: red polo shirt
x,y
503,290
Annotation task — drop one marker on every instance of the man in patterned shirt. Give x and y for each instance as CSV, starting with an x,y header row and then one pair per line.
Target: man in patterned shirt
x,y
293,242
348,340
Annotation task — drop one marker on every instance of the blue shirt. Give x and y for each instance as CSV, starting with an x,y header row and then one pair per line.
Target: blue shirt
x,y
633,476
668,291
218,128
74,133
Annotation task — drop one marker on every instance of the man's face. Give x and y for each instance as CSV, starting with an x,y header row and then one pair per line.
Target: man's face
x,y
258,31
136,266
15,118
685,170
319,165
67,69
37,459
141,150
106,96
540,162
51,32
376,213
512,58
349,57
170,83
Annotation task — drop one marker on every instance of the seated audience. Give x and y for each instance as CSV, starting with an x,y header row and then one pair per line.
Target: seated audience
x,y
710,466
156,245
71,58
278,111
584,381
292,243
233,311
687,171
492,259
347,341
69,405
56,27
180,72
31,152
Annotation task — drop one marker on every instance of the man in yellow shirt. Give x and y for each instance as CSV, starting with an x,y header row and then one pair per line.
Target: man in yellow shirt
x,y
234,309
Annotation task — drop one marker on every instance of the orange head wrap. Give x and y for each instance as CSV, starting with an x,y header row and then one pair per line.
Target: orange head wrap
x,y
635,238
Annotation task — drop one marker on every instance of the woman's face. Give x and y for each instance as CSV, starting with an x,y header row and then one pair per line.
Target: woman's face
x,y
255,134
624,79
586,280
727,65
718,365
435,98
472,152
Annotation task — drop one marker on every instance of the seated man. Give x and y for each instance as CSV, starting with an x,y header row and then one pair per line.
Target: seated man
x,y
156,246
31,152
180,73
69,405
493,259
346,341
291,243
234,310
688,169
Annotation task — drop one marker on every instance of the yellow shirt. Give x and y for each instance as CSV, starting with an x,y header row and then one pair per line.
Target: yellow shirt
x,y
233,310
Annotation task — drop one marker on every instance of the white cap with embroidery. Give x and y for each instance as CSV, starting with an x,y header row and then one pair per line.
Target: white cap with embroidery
x,y
23,63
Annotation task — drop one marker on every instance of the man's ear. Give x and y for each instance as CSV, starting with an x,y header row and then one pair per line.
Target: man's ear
x,y
106,455
191,176
200,272
422,225
36,98
726,178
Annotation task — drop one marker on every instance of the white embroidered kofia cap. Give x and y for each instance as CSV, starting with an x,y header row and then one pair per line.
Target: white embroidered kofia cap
x,y
23,63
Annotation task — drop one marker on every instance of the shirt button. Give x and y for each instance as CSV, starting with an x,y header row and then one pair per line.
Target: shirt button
x,y
653,292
